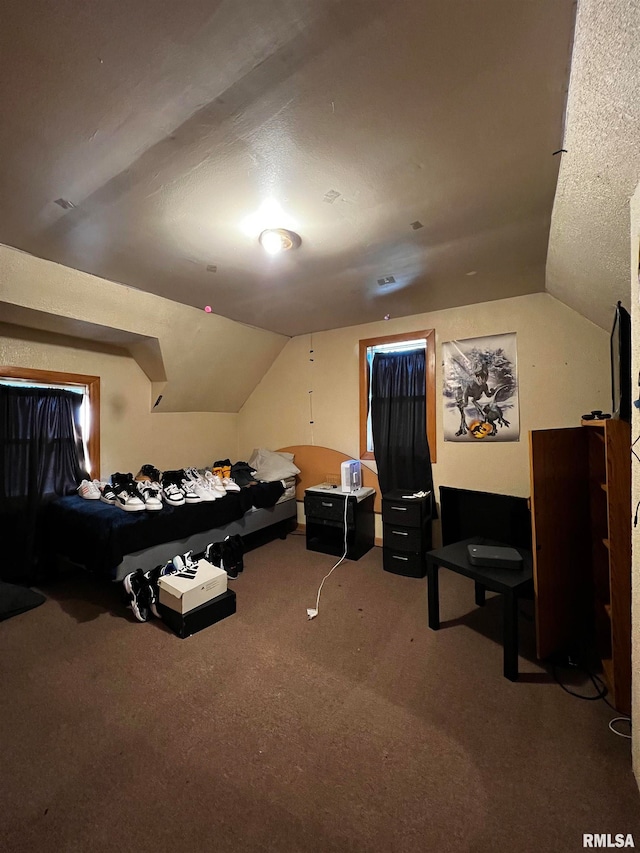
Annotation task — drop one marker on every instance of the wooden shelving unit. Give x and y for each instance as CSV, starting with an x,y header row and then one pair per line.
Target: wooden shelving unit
x,y
581,517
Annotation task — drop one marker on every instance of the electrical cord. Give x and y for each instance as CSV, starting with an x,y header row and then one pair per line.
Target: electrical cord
x,y
615,731
311,611
601,693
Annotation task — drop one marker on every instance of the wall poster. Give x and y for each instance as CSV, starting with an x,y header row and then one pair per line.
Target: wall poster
x,y
480,388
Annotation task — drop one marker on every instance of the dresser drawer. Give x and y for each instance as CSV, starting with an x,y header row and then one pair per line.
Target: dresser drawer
x,y
406,513
329,507
410,564
404,538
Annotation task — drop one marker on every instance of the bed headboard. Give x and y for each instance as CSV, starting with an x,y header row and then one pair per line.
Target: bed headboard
x,y
315,463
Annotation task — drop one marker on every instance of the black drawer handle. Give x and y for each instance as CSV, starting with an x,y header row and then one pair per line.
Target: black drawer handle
x,y
399,508
396,557
400,532
325,503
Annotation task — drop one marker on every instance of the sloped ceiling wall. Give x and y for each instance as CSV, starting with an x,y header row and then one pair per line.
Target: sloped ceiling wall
x,y
198,362
588,257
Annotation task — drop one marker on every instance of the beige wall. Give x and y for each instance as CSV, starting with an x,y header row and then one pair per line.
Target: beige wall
x,y
211,363
635,485
563,369
131,435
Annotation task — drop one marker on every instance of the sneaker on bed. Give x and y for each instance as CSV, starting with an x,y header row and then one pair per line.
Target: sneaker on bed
x,y
215,484
230,484
190,496
107,494
171,491
89,491
127,497
148,473
199,485
150,494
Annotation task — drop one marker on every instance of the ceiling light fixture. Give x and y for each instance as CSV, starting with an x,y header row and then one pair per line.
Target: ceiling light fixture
x,y
277,240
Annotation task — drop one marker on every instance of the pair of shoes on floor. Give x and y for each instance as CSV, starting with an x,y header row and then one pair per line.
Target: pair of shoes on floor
x,y
142,590
222,469
227,555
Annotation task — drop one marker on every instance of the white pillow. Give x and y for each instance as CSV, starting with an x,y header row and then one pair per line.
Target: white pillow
x,y
271,466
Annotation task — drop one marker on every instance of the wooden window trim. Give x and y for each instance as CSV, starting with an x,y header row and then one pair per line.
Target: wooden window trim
x,y
430,381
53,377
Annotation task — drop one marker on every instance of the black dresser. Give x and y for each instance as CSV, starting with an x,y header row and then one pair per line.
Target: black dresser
x,y
325,510
406,524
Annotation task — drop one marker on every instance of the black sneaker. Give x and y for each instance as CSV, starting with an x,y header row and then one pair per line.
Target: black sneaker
x,y
127,497
235,547
230,558
238,544
213,554
107,495
219,555
137,588
149,471
152,577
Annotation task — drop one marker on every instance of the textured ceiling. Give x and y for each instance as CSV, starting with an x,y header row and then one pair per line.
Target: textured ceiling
x,y
168,125
589,245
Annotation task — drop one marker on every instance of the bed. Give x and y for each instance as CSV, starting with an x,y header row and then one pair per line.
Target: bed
x,y
108,541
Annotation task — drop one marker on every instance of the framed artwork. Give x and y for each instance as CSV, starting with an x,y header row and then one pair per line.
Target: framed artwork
x,y
480,389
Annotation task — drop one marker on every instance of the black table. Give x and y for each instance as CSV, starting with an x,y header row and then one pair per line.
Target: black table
x,y
510,583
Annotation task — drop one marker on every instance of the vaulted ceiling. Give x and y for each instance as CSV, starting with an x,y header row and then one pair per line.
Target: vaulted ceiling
x,y
150,143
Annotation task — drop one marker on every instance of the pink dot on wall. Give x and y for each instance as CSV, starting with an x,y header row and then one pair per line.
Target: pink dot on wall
x,y
207,309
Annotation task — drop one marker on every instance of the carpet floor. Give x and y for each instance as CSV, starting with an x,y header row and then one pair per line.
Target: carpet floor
x,y
361,730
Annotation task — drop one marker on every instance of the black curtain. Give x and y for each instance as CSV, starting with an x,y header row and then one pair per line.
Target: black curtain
x,y
41,455
398,422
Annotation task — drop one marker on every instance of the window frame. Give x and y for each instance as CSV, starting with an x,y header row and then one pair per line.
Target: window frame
x,y
91,383
429,336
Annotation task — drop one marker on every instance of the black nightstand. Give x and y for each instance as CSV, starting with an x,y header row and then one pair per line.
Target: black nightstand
x,y
324,511
406,524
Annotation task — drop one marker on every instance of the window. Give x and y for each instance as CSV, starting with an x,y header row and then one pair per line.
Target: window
x,y
90,385
397,343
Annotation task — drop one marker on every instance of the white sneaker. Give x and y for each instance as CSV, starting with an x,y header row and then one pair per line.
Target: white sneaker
x,y
215,484
190,496
230,484
201,487
128,500
89,491
150,494
173,494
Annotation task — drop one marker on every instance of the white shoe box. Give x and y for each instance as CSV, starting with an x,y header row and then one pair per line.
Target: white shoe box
x,y
183,594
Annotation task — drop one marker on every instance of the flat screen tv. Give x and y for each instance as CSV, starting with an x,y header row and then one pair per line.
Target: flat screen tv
x,y
621,364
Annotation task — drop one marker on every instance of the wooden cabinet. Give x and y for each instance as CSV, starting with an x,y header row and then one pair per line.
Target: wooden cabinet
x,y
581,521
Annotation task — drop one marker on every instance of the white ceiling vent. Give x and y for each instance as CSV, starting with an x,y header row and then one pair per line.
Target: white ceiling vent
x,y
331,196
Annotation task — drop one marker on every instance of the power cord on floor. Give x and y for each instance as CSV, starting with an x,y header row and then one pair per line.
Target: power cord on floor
x,y
601,693
312,612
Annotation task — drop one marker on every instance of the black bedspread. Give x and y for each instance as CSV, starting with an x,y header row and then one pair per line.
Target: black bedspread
x,y
98,536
